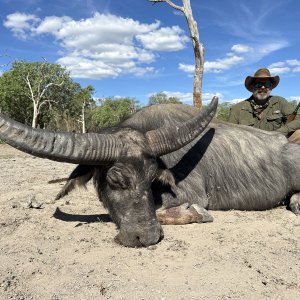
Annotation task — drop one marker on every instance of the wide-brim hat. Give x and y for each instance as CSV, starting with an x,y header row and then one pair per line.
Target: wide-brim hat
x,y
263,73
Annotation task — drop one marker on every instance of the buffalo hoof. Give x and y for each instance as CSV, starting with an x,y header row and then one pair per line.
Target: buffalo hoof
x,y
202,214
295,204
183,214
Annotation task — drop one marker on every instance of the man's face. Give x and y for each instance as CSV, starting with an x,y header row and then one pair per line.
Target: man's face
x,y
261,90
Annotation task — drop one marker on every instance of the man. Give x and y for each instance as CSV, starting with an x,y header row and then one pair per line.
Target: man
x,y
264,111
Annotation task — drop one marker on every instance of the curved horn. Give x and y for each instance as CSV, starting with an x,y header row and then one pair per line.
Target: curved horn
x,y
87,148
168,139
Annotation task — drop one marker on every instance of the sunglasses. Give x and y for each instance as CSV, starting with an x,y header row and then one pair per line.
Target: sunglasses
x,y
259,84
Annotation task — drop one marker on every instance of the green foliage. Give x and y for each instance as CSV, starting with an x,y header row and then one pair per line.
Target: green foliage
x,y
71,115
162,98
68,106
16,98
294,102
223,111
82,99
112,111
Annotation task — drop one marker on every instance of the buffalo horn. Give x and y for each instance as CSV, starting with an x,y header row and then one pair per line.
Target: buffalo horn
x,y
168,139
87,148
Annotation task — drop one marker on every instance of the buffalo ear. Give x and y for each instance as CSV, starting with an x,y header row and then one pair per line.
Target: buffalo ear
x,y
166,177
79,177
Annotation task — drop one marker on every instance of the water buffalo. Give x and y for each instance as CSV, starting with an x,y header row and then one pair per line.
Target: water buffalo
x,y
165,165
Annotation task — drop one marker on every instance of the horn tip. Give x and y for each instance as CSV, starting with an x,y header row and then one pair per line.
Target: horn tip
x,y
215,100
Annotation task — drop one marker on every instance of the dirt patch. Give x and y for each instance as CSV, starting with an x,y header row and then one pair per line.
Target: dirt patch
x,y
65,250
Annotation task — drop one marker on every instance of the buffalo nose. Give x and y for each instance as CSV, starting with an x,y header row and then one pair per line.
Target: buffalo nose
x,y
145,238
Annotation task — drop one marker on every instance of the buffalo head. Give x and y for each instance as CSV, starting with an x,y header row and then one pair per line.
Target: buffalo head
x,y
123,164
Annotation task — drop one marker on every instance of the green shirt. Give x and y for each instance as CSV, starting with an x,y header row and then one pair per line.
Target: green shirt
x,y
273,117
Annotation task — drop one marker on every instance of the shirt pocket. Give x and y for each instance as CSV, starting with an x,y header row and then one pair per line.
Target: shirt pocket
x,y
276,119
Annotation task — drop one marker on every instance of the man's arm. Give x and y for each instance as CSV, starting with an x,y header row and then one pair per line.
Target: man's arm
x,y
293,115
233,116
287,108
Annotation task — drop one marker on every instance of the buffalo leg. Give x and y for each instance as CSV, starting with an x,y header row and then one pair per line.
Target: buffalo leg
x,y
295,204
183,214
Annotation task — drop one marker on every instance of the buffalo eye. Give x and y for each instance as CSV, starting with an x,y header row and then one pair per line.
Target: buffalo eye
x,y
119,177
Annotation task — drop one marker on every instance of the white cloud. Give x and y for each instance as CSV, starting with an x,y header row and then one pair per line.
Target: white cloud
x,y
236,100
240,54
98,30
206,97
279,70
20,24
293,62
103,45
222,64
278,64
297,98
52,24
239,48
81,67
287,66
216,66
267,48
186,68
164,39
186,98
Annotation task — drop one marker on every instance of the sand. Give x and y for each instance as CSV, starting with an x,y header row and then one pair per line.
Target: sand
x,y
65,250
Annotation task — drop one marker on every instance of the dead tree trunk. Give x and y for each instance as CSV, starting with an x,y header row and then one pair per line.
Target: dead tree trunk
x,y
198,48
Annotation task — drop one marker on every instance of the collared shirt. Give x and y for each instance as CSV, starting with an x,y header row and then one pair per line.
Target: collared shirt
x,y
273,118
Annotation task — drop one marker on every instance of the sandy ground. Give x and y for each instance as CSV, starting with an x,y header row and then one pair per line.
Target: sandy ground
x,y
65,250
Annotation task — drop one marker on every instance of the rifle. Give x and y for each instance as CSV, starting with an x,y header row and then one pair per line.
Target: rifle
x,y
292,116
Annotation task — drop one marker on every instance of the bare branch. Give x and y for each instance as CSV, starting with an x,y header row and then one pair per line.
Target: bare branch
x,y
47,101
170,3
30,88
48,85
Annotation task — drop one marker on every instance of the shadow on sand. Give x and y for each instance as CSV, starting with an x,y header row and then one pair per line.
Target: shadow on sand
x,y
60,215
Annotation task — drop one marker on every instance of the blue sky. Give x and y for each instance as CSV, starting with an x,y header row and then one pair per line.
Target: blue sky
x,y
132,48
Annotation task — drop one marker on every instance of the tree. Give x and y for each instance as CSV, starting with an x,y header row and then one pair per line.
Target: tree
x,y
223,111
83,101
294,102
28,91
76,114
197,46
13,100
162,98
112,111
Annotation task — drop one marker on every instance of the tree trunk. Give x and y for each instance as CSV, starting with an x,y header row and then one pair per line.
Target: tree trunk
x,y
35,116
198,52
83,118
198,48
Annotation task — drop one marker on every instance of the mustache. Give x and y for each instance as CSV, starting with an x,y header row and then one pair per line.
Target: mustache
x,y
262,92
